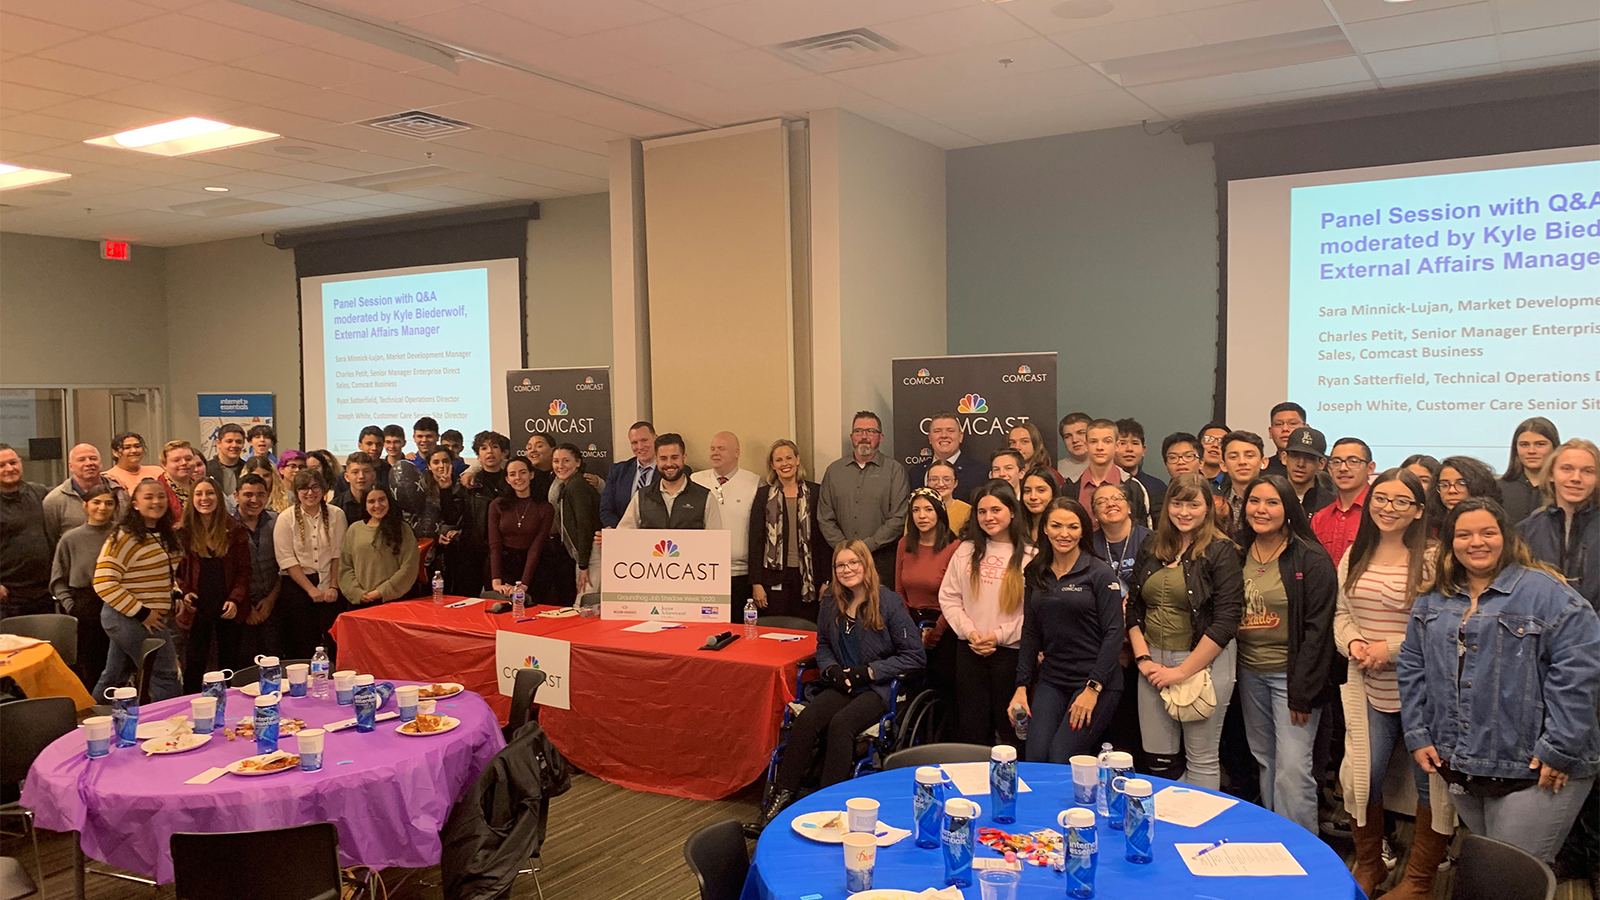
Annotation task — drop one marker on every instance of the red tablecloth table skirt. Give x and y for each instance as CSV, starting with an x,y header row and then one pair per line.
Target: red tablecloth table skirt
x,y
650,712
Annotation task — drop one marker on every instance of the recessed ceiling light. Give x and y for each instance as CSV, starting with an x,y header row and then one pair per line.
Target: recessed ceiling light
x,y
17,176
1081,9
217,190
294,150
183,136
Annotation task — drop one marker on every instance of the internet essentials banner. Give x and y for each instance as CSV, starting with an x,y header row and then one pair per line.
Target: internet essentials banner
x,y
990,395
217,410
566,405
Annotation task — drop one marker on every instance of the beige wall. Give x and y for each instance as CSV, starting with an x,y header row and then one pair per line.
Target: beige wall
x,y
717,224
569,281
69,317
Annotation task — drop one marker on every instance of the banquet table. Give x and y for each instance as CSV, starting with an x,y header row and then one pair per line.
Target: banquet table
x,y
650,712
787,866
387,793
41,672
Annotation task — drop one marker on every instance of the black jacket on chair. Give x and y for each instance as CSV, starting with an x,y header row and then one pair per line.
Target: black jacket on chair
x,y
500,823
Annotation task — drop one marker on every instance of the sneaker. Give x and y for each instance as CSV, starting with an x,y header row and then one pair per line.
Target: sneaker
x,y
1390,858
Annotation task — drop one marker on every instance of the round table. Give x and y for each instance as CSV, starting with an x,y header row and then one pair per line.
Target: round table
x,y
41,672
787,866
389,794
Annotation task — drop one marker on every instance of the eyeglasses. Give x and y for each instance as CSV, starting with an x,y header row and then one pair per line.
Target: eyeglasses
x,y
1398,504
866,431
847,566
1347,462
1452,485
1182,457
1212,439
1108,502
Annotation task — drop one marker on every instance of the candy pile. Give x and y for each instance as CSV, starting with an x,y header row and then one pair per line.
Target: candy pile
x,y
1039,848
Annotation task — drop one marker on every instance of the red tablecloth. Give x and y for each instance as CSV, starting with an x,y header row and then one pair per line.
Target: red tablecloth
x,y
649,711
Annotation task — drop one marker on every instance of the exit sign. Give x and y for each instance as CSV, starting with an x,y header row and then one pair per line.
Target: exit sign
x,y
114,250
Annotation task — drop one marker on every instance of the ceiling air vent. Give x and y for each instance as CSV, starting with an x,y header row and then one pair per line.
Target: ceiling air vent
x,y
422,126
842,50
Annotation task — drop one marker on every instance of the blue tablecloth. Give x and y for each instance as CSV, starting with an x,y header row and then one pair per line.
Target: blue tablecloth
x,y
788,867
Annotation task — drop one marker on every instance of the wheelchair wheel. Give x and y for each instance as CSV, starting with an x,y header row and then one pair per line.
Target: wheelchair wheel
x,y
922,721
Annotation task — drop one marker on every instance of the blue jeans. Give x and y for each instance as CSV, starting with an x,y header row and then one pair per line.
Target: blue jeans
x,y
1535,819
1282,749
1163,735
1385,732
127,639
1051,737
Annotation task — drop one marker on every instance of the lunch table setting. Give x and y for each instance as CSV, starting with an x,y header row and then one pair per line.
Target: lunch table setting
x,y
1004,830
384,761
39,671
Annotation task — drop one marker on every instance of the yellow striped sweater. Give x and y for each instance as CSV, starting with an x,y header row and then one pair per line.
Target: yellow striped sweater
x,y
134,573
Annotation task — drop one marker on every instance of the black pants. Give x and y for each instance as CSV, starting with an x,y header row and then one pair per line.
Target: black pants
x,y
1238,763
739,586
832,717
556,575
209,626
1051,737
787,600
1123,732
884,558
93,642
305,625
984,685
511,562
464,569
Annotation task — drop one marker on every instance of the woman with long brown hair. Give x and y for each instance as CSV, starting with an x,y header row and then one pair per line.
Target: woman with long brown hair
x,y
306,539
785,545
1029,441
214,577
1522,482
1185,600
865,639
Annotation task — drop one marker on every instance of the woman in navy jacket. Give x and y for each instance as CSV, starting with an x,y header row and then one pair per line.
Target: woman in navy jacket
x,y
865,639
1565,532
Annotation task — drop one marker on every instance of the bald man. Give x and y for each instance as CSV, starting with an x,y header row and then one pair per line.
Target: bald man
x,y
734,489
63,507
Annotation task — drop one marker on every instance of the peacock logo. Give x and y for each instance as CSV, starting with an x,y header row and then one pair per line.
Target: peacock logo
x,y
973,403
923,373
526,381
665,548
1024,370
558,407
530,662
588,379
593,447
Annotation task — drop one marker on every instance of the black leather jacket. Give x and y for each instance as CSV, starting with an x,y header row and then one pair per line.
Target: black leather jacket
x,y
1216,591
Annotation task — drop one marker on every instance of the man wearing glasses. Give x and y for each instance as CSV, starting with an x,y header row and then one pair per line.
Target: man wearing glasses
x,y
1286,417
1335,524
1211,452
865,496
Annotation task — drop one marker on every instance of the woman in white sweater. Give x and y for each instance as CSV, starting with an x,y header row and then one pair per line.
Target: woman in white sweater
x,y
981,598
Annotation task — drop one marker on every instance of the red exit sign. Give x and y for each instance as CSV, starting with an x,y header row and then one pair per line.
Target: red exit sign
x,y
114,250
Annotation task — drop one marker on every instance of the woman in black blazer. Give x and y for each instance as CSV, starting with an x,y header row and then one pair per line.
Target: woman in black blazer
x,y
788,554
577,516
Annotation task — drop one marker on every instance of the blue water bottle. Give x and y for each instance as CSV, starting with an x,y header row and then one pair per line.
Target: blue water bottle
x,y
365,699
1139,823
1003,783
1082,850
927,805
267,723
1119,768
960,839
124,715
215,684
271,673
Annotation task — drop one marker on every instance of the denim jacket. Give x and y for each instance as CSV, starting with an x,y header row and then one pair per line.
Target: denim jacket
x,y
1528,678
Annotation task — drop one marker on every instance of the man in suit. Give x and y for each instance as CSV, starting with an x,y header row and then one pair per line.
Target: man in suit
x,y
944,436
672,500
627,477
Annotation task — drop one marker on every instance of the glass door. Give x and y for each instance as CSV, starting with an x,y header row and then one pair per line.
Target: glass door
x,y
34,422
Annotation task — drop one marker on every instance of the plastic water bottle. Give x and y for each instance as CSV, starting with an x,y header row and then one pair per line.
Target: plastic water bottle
x,y
438,588
1139,820
1003,783
319,674
1105,781
750,620
124,715
366,704
266,722
1019,721
1082,851
519,601
1120,768
927,804
960,838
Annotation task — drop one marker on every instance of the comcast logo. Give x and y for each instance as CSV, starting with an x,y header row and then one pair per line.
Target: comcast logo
x,y
665,548
973,403
558,407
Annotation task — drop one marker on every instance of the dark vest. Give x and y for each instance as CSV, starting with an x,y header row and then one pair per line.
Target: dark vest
x,y
688,510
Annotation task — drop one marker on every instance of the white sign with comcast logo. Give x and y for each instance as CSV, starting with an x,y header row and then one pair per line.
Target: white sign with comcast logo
x,y
513,651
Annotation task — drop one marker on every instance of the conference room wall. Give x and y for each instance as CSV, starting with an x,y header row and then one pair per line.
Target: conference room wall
x,y
569,282
1101,246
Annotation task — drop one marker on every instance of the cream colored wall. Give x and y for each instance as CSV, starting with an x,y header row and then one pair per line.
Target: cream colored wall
x,y
569,283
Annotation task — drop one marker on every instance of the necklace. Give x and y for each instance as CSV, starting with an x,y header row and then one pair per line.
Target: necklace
x,y
1261,568
522,509
1116,564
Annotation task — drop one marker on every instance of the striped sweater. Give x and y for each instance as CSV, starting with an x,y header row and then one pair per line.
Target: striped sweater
x,y
134,574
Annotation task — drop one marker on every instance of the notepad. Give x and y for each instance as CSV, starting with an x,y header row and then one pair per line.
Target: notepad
x,y
1188,807
1240,859
652,627
462,604
973,778
782,637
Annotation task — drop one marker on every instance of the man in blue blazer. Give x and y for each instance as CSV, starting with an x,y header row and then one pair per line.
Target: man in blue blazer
x,y
944,437
626,477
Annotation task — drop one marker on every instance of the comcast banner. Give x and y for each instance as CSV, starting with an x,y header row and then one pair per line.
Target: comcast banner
x,y
567,405
671,575
990,394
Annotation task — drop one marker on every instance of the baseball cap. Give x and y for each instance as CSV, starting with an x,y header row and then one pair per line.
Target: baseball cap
x,y
1308,441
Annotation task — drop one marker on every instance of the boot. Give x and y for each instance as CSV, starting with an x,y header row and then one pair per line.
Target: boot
x,y
1370,871
1422,864
779,801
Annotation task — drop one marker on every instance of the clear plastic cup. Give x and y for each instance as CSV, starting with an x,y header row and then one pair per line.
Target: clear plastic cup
x,y
998,884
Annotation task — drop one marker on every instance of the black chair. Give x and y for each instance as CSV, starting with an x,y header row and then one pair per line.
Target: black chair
x,y
148,651
523,690
30,726
252,674
792,623
935,754
61,631
1494,870
719,858
216,867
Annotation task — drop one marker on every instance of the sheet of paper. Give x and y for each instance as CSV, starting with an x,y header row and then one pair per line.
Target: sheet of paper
x,y
463,604
10,643
562,613
652,627
208,776
781,637
973,778
1183,806
1240,859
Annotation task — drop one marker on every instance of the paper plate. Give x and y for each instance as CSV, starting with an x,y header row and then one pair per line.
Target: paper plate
x,y
450,724
884,894
234,767
820,826
161,746
454,689
157,729
253,689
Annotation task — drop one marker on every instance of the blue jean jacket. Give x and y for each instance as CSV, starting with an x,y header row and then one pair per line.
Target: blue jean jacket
x,y
1528,681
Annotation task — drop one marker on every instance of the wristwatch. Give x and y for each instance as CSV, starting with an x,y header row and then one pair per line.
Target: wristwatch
x,y
1142,657
1095,686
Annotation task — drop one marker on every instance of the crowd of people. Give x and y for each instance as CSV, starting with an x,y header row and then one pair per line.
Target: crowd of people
x,y
1277,618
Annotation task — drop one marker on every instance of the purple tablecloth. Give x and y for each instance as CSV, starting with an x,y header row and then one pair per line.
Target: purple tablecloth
x,y
389,800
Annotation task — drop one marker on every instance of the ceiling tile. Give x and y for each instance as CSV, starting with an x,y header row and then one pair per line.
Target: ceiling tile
x,y
764,22
265,181
86,15
1432,27
21,97
499,114
51,126
1135,38
108,117
19,34
13,142
107,54
314,171
407,91
1033,91
1367,10
738,70
1434,57
333,106
956,29
137,175
196,37
1040,14
168,98
235,84
265,24
797,96
1520,15
396,10
573,19
1554,41
679,7
658,43
1035,54
911,124
478,28
995,123
46,73
313,67
1256,18
577,58
1447,75
1582,58
511,146
670,91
